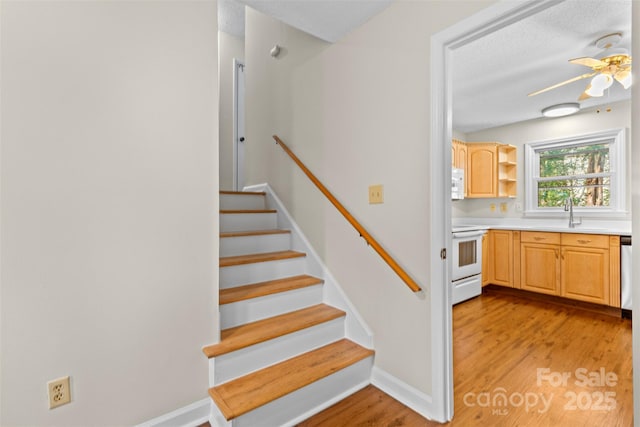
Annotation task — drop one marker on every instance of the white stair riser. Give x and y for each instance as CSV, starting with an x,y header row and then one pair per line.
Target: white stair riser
x,y
296,406
241,312
243,245
241,201
248,221
258,356
239,275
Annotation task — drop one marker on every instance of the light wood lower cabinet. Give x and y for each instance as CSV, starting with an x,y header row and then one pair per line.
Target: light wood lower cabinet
x,y
540,268
583,267
585,274
501,263
486,277
590,268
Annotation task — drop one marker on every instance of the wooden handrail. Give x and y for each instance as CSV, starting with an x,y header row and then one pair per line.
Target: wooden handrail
x,y
363,232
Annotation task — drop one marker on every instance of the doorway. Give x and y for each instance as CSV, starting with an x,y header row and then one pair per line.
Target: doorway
x,y
238,125
443,44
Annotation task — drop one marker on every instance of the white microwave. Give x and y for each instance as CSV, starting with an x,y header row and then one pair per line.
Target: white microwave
x,y
457,184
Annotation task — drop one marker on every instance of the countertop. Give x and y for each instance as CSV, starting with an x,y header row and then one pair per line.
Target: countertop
x,y
613,227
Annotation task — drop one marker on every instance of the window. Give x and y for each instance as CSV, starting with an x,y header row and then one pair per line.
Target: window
x,y
587,168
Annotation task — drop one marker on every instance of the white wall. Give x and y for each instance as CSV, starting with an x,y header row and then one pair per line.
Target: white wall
x,y
108,208
357,112
518,134
230,48
635,195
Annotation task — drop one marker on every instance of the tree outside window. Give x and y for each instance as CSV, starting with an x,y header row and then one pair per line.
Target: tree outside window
x,y
588,169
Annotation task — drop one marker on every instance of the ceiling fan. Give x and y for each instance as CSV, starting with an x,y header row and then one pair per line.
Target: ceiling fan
x,y
616,65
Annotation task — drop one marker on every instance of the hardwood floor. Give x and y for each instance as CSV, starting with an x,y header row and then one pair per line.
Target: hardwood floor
x,y
539,352
518,362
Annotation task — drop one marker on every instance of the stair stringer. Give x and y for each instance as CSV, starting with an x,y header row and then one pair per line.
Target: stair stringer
x,y
356,328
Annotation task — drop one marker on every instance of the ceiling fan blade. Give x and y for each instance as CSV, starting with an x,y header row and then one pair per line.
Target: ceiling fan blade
x,y
589,62
622,74
585,95
575,79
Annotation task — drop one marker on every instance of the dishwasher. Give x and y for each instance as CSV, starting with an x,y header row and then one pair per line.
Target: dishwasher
x,y
626,290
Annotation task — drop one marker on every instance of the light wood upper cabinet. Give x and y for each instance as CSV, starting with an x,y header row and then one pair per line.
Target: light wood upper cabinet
x,y
456,147
482,172
459,159
490,169
507,171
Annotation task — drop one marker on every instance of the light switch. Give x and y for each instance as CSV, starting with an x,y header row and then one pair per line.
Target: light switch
x,y
376,194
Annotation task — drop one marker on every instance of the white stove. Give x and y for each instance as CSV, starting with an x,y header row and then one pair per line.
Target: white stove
x,y
466,272
468,227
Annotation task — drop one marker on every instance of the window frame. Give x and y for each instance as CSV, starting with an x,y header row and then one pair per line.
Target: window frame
x,y
616,138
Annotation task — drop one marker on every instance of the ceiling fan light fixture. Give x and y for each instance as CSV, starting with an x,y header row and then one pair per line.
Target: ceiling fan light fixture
x,y
598,84
626,82
561,110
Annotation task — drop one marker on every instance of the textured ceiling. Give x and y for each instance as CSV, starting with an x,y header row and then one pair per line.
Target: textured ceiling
x,y
494,74
329,20
231,17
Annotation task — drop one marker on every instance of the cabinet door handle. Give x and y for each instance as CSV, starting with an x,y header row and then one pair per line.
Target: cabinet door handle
x,y
536,238
584,241
556,251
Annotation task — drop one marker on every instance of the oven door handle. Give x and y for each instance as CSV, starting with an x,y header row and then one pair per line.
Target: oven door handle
x,y
465,234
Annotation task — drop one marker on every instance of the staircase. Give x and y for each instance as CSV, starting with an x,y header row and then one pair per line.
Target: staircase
x,y
284,353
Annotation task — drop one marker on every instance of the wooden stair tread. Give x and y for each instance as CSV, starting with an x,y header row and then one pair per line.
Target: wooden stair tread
x,y
263,330
244,394
262,257
253,233
244,193
256,290
247,211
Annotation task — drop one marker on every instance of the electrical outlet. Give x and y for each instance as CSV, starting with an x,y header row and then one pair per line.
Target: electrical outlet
x,y
59,392
503,207
492,207
376,194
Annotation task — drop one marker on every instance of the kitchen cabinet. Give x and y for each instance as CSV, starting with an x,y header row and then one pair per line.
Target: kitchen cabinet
x,y
490,170
540,262
481,172
458,154
583,267
459,159
501,260
506,171
587,261
486,255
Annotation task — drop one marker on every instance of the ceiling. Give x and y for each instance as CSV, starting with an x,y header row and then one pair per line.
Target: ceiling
x,y
492,75
328,20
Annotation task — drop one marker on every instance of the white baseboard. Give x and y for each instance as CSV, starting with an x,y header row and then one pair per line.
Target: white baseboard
x,y
403,392
191,415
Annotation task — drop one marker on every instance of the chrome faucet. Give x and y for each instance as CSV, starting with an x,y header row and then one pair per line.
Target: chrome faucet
x,y
568,207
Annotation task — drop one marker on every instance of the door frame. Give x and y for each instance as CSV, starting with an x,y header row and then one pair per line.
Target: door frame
x,y
238,120
443,44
